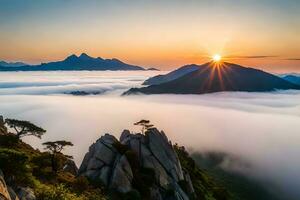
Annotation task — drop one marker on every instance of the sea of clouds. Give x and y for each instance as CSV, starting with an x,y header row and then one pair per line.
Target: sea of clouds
x,y
261,128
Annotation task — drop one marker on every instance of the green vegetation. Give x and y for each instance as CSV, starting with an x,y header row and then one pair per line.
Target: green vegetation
x,y
24,128
145,124
204,185
24,166
55,149
242,187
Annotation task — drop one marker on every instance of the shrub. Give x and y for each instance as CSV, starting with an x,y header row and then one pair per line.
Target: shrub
x,y
80,184
41,166
14,165
54,192
8,140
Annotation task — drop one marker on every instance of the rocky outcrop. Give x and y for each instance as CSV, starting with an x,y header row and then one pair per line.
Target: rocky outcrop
x,y
118,164
19,193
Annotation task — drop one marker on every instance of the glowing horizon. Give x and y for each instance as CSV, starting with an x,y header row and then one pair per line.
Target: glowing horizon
x,y
165,35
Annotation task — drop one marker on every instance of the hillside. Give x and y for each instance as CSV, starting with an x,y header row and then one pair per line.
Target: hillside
x,y
214,77
171,76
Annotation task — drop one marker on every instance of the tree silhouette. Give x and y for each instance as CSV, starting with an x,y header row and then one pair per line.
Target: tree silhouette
x,y
55,148
145,125
24,128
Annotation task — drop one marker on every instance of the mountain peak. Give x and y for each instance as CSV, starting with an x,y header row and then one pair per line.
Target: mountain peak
x,y
224,77
85,56
71,57
11,64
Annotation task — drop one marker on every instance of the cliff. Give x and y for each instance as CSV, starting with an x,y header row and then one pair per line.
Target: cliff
x,y
146,163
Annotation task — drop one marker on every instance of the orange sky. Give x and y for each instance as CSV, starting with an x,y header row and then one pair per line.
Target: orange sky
x,y
263,34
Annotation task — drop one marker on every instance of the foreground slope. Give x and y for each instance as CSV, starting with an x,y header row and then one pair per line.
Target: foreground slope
x,y
214,77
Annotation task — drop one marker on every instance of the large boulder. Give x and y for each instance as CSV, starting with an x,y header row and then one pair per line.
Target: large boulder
x,y
122,175
107,161
98,163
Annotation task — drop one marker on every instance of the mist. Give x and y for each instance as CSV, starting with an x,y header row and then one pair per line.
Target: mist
x,y
262,128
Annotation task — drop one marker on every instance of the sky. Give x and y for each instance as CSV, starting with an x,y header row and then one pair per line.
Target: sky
x,y
163,34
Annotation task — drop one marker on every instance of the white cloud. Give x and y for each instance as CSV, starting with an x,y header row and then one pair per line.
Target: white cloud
x,y
263,128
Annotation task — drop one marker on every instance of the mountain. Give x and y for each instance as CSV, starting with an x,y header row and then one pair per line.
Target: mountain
x,y
12,64
213,77
171,76
153,69
292,78
73,62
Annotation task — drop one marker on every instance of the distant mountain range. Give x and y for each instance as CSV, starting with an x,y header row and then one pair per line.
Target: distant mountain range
x,y
292,78
12,64
213,77
73,62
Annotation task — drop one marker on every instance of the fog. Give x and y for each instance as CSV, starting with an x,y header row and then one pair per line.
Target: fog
x,y
262,128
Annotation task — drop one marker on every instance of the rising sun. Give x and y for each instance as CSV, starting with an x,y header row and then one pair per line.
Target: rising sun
x,y
216,58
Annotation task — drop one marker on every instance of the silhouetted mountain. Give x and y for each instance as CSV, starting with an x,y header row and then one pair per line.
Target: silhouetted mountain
x,y
12,64
153,69
171,76
212,77
292,78
73,62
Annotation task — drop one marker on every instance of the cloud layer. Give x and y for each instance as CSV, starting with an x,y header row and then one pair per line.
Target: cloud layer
x,y
262,128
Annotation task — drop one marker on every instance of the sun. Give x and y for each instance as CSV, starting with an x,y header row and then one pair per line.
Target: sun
x,y
216,58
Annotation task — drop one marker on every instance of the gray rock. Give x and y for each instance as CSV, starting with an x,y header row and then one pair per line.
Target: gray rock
x,y
164,153
103,162
104,175
95,164
122,175
187,178
98,161
25,193
124,135
12,194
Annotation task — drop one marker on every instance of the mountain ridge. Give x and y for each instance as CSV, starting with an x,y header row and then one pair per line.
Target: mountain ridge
x,y
74,62
217,77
